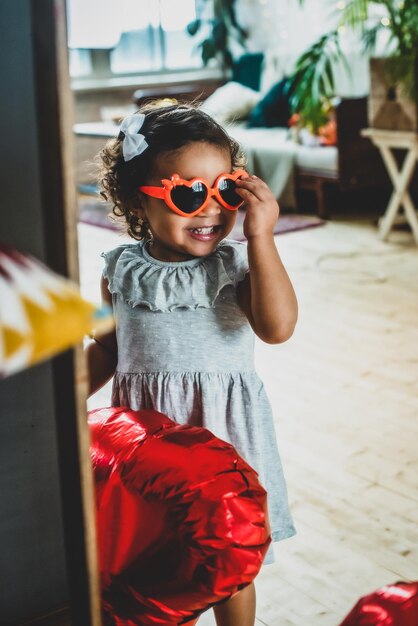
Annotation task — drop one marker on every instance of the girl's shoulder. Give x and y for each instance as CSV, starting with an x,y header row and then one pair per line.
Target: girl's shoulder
x,y
118,263
111,256
233,257
139,279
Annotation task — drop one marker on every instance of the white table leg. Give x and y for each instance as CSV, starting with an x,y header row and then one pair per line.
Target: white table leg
x,y
400,196
411,215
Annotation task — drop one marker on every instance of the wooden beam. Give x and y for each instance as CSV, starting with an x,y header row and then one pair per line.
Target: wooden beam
x,y
55,121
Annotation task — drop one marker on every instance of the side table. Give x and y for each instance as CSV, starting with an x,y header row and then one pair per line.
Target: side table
x,y
386,141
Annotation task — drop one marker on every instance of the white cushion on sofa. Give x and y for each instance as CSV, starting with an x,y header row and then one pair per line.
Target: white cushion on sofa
x,y
232,101
323,158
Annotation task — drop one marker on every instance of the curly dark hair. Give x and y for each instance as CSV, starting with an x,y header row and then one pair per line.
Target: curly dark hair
x,y
165,128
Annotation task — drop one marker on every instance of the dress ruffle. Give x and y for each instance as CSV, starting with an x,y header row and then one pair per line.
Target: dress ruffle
x,y
218,401
141,280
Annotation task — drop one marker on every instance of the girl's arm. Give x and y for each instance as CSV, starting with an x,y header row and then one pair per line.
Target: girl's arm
x,y
266,295
102,352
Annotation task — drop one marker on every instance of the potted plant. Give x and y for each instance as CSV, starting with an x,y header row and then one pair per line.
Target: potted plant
x,y
394,79
217,22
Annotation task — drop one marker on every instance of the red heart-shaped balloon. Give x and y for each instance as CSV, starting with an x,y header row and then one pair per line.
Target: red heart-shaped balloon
x,y
182,518
391,605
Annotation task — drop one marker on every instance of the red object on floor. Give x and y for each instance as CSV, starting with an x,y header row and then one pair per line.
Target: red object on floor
x,y
392,605
182,519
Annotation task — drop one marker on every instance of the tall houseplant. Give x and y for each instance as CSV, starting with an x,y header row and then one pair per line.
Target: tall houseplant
x,y
313,80
218,30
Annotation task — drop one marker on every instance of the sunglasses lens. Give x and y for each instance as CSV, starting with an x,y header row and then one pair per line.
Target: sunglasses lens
x,y
189,199
227,192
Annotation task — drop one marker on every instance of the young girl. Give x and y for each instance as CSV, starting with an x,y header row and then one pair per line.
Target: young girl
x,y
187,300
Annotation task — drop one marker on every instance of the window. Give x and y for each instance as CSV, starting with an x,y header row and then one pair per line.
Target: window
x,y
121,37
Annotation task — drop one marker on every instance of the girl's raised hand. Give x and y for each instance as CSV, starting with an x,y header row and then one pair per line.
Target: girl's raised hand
x,y
262,210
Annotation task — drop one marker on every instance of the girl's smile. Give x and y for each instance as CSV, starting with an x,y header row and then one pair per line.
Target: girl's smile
x,y
205,233
178,238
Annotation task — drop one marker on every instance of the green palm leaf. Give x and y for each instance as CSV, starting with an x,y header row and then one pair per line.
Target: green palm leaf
x,y
219,31
369,38
312,84
355,14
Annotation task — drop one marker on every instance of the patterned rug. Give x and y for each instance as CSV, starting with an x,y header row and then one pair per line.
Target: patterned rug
x,y
96,213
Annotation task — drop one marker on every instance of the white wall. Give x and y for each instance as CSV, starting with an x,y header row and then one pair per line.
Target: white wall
x,y
282,29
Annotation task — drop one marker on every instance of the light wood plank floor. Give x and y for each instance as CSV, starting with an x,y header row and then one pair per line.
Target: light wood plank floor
x,y
344,394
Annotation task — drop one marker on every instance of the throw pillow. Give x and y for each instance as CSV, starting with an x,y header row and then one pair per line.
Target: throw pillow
x,y
274,108
232,101
247,70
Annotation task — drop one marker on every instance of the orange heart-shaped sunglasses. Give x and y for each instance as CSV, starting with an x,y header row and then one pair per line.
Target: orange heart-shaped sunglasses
x,y
191,197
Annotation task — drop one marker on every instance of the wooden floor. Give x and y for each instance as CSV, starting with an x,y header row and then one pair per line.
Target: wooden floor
x,y
344,394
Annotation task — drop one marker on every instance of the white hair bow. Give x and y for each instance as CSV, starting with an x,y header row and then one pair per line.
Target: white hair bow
x,y
133,143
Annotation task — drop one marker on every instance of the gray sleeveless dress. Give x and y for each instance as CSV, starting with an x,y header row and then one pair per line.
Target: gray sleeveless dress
x,y
185,348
